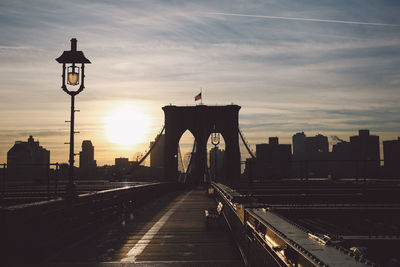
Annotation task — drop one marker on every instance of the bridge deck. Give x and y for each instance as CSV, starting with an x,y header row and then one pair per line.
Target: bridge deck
x,y
172,231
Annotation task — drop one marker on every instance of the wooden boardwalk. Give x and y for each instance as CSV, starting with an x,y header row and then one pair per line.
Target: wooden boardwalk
x,y
168,232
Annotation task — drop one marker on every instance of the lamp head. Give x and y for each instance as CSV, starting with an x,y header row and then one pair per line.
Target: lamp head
x,y
75,74
73,56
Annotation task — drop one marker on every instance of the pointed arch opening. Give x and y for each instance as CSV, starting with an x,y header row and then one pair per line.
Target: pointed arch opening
x,y
185,149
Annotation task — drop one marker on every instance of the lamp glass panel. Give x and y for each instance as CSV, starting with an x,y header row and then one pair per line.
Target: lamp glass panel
x,y
73,75
73,78
215,138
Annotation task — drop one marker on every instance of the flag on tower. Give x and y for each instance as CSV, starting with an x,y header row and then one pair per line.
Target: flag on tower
x,y
197,97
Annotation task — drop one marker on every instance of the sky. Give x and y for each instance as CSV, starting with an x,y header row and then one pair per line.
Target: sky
x,y
329,67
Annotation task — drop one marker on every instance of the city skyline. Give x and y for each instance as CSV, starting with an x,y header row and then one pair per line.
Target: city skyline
x,y
288,75
187,139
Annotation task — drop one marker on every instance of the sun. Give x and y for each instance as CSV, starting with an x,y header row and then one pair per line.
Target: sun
x,y
126,126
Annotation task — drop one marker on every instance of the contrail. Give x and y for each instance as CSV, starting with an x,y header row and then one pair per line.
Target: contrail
x,y
306,19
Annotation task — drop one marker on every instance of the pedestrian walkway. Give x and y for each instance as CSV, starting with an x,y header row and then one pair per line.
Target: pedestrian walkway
x,y
169,232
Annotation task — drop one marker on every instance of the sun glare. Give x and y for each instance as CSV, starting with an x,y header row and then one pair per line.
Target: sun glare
x,y
127,126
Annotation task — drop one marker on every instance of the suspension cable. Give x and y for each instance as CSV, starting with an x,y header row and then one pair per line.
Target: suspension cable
x,y
180,161
151,148
189,167
245,144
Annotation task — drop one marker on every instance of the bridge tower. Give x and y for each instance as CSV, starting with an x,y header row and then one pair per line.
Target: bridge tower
x,y
201,121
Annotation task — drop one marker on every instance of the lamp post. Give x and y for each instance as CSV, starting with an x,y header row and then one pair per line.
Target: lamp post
x,y
72,75
215,140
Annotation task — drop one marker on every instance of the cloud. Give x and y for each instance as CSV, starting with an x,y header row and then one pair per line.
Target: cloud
x,y
287,75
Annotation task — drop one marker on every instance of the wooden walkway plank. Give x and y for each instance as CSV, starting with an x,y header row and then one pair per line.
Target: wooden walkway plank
x,y
169,232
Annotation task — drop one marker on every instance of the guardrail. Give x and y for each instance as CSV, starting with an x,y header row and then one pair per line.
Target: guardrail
x,y
265,238
35,229
233,216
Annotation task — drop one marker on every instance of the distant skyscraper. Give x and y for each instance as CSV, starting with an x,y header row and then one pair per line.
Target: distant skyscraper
x,y
122,163
157,154
299,150
342,150
217,164
391,155
365,146
122,167
316,147
317,155
87,164
342,165
28,161
365,153
273,159
391,152
310,155
273,151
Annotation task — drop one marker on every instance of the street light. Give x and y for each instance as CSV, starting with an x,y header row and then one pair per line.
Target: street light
x,y
215,140
75,76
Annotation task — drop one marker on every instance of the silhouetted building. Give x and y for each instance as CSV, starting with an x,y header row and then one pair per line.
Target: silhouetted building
x,y
310,155
299,154
365,153
342,150
342,164
64,171
157,154
122,168
125,170
317,156
28,161
315,146
299,150
391,155
217,164
273,159
87,164
250,170
122,163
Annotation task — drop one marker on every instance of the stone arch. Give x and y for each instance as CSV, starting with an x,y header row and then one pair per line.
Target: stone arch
x,y
201,121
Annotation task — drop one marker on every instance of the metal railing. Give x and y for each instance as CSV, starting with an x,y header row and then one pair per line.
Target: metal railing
x,y
41,176
56,223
